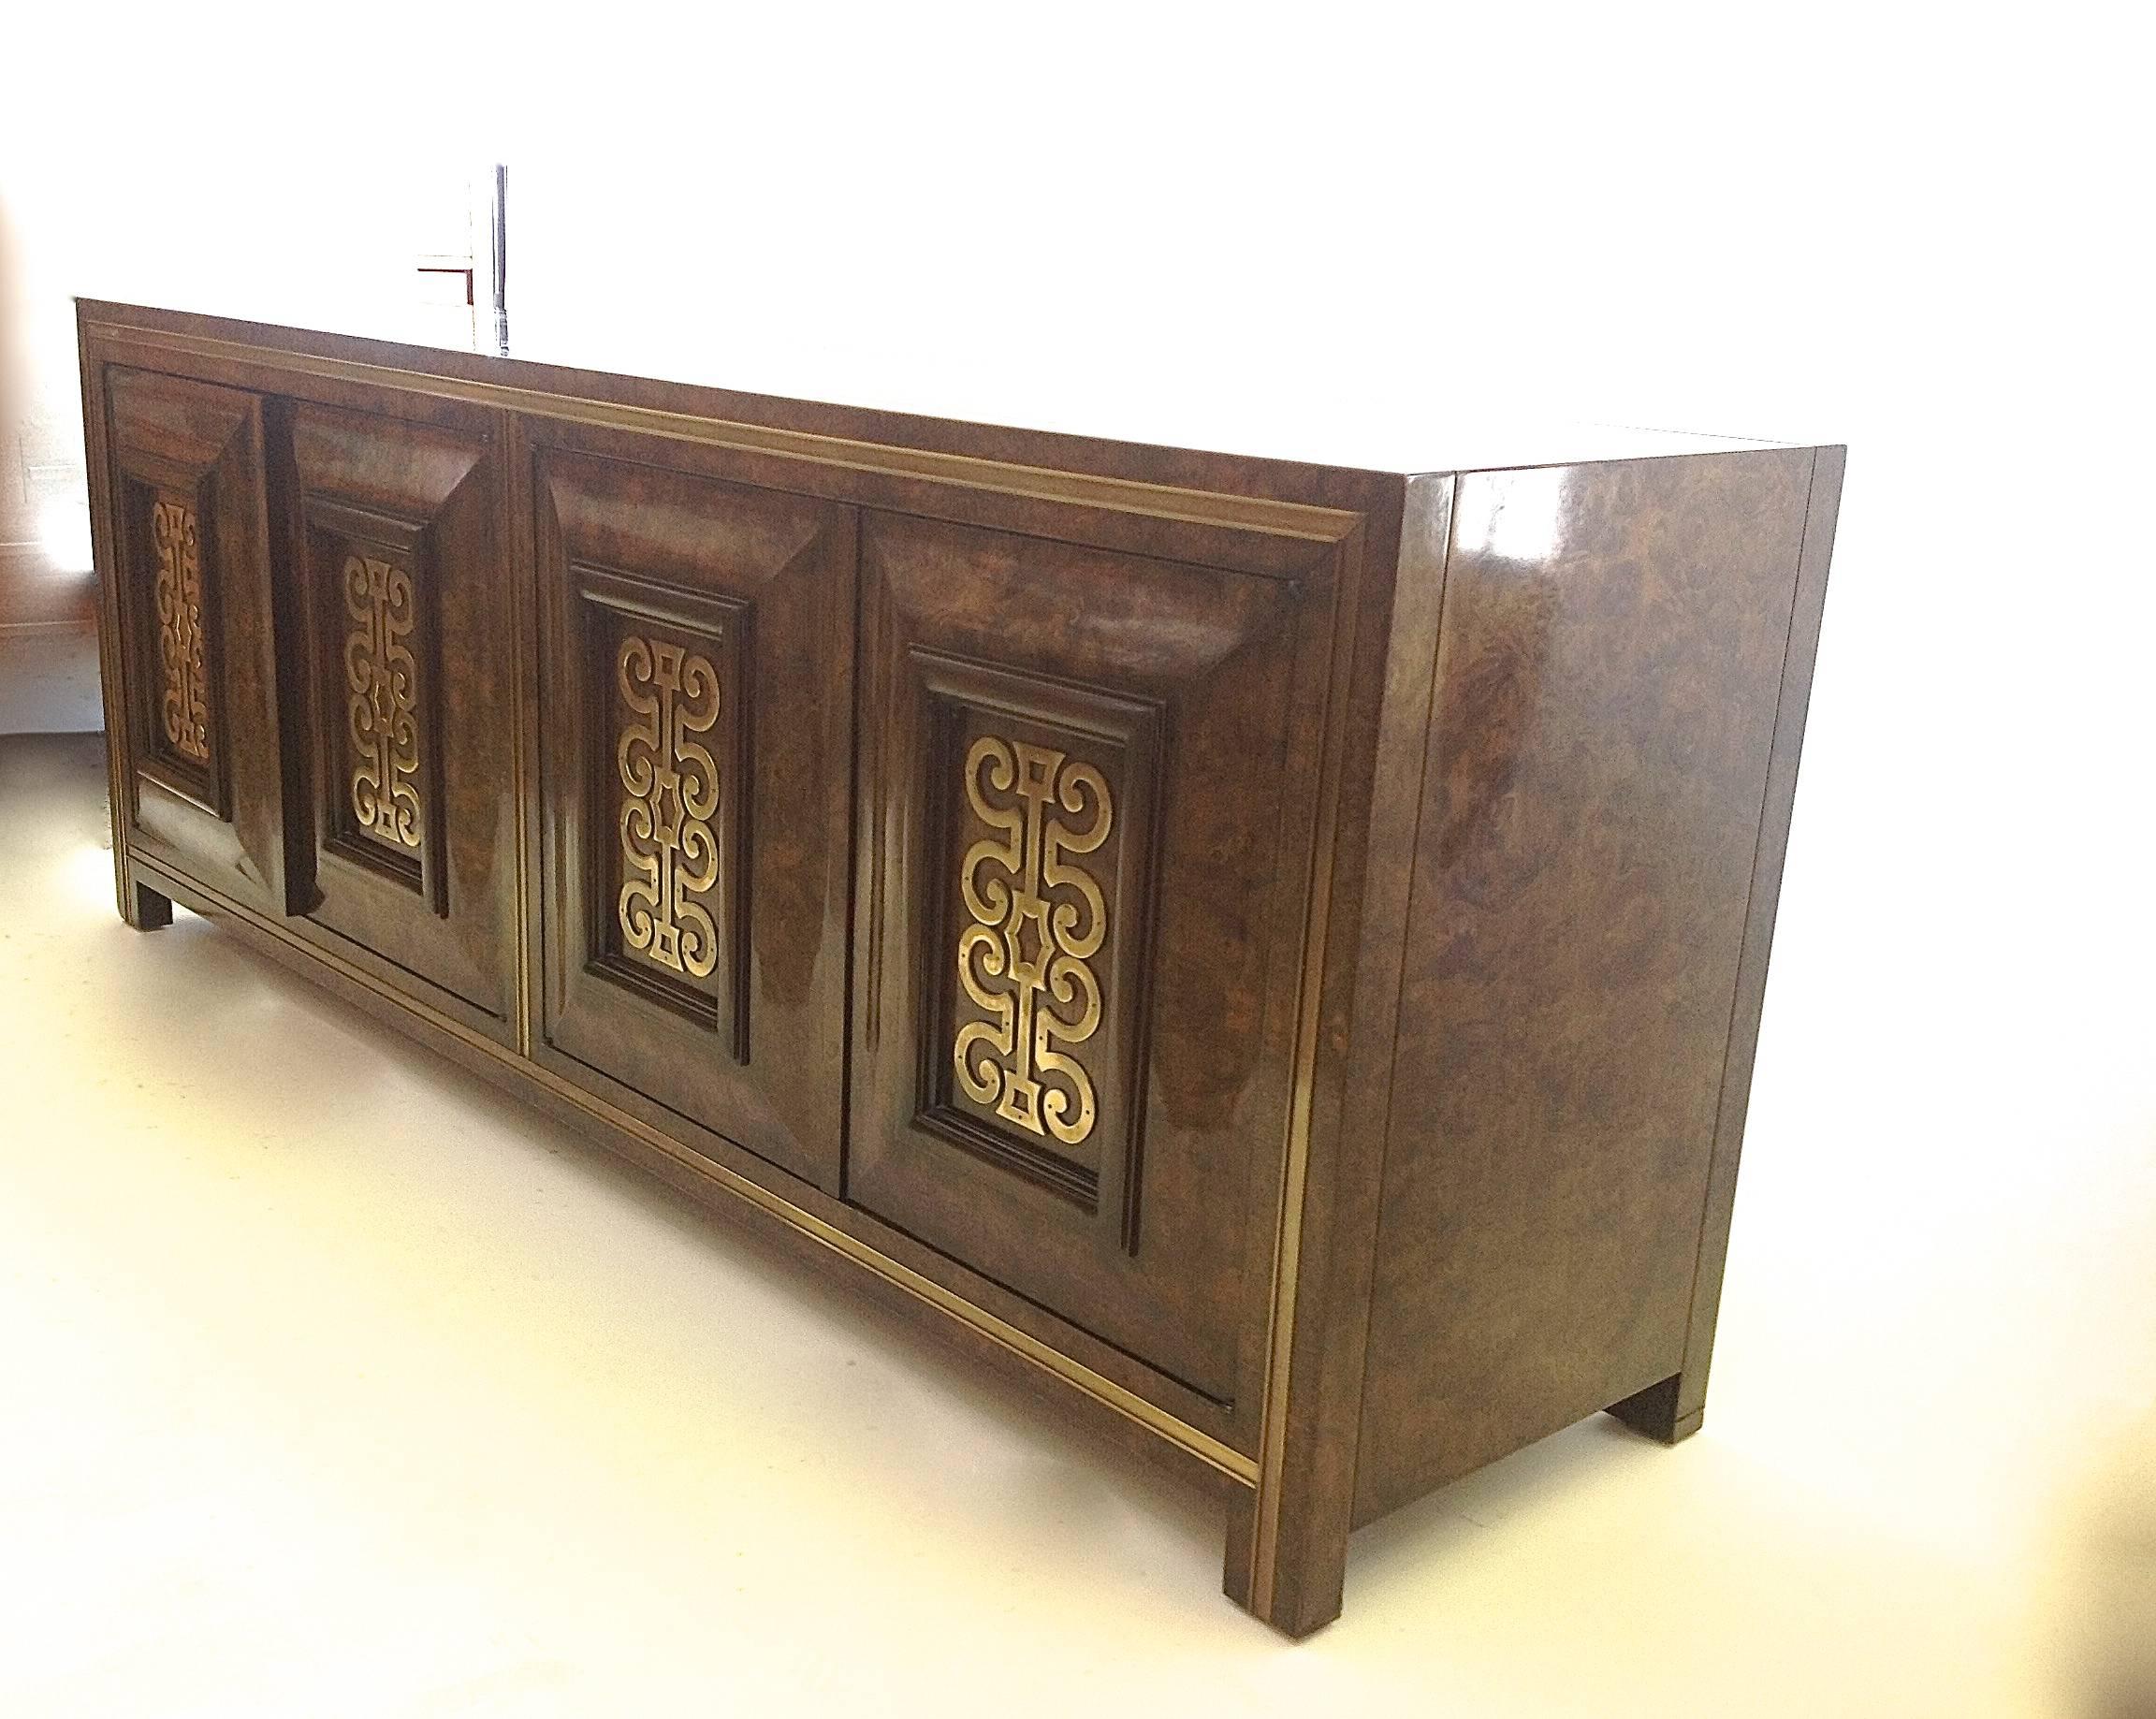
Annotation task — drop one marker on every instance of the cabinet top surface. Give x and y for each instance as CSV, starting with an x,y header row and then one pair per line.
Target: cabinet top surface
x,y
1393,424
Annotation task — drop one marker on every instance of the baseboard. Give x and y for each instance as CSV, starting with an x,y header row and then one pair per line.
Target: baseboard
x,y
35,600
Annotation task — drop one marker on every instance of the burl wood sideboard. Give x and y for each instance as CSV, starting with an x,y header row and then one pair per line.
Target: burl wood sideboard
x,y
1269,951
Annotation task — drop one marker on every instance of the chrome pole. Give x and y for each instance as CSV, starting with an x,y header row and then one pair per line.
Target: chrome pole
x,y
501,259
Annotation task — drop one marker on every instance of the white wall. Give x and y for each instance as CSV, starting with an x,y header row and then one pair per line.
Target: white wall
x,y
1894,225
1899,226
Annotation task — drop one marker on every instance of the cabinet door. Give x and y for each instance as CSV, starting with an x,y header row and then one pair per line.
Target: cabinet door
x,y
408,665
190,537
697,699
1087,782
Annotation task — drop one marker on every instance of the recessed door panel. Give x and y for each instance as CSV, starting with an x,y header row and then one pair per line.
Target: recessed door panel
x,y
405,597
697,699
1087,782
190,536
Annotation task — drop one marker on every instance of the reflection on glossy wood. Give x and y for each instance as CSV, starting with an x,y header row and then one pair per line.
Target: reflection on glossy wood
x,y
188,625
394,565
695,772
1600,744
1271,954
1170,685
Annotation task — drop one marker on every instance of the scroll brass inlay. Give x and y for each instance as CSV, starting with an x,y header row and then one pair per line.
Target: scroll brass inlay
x,y
1037,922
669,849
381,677
186,704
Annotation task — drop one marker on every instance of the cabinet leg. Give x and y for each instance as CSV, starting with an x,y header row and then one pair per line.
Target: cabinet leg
x,y
1309,1570
1242,1531
145,909
1661,1412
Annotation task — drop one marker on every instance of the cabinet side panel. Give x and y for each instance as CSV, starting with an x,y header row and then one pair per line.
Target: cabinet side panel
x,y
1796,698
1610,658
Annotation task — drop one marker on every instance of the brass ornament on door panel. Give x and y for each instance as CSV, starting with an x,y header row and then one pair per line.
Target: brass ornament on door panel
x,y
382,685
670,784
176,538
1037,920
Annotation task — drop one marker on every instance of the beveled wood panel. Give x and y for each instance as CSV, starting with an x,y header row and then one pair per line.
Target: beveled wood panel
x,y
1086,788
198,635
402,589
695,760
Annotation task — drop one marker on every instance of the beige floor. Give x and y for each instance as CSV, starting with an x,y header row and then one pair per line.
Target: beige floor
x,y
335,1383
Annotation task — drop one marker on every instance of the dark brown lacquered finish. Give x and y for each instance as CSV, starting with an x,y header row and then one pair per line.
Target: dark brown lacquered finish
x,y
695,775
1269,953
185,518
1146,957
1609,672
397,556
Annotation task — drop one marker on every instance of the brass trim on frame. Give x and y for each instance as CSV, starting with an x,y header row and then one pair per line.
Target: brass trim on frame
x,y
1295,1167
1337,529
516,502
1026,1347
1262,515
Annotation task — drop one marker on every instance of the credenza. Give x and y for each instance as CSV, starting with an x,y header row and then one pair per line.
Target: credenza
x,y
1268,951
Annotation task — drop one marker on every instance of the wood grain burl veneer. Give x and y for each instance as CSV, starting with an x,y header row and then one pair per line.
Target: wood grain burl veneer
x,y
1267,951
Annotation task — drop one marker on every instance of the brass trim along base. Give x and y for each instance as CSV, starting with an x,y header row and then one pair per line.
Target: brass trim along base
x,y
1104,1390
